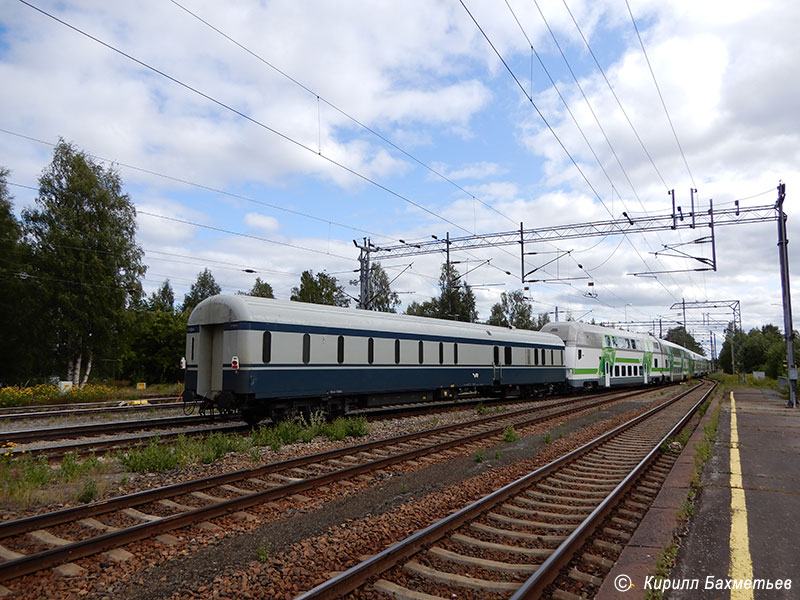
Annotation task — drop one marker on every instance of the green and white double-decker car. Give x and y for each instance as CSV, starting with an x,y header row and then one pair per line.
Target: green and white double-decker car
x,y
598,356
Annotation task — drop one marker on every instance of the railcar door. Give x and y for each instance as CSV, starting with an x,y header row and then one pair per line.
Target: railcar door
x,y
209,360
497,368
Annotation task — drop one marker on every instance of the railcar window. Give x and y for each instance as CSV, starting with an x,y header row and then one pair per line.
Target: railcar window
x,y
580,353
633,344
507,353
397,352
627,343
656,363
551,358
616,370
266,347
455,353
192,354
306,348
340,349
441,353
608,342
496,357
536,356
614,341
630,370
560,357
371,350
421,352
527,356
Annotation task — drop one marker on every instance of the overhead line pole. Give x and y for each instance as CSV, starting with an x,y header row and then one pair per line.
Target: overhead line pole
x,y
783,252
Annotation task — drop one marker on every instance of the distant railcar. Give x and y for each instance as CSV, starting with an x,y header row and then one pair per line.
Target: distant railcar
x,y
605,357
272,358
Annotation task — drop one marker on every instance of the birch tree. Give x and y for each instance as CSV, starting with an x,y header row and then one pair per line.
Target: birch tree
x,y
82,236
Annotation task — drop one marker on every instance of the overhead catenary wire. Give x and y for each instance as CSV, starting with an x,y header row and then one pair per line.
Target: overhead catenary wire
x,y
600,127
342,112
115,162
660,96
614,94
246,117
221,230
555,135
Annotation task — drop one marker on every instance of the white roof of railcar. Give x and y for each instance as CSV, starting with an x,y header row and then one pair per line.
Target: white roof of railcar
x,y
229,309
571,329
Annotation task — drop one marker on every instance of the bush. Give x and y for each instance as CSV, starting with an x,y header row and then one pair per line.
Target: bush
x,y
510,434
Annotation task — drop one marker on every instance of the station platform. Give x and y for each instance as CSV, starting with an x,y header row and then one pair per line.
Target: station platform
x,y
745,530
746,524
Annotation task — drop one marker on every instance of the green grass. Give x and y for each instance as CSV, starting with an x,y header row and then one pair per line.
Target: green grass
x,y
730,381
546,438
157,456
480,456
664,564
263,552
26,480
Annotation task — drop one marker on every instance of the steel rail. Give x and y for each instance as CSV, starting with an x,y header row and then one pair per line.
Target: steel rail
x,y
66,515
54,433
69,412
35,562
7,410
102,446
357,575
561,556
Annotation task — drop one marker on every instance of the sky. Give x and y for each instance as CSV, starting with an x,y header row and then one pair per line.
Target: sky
x,y
269,135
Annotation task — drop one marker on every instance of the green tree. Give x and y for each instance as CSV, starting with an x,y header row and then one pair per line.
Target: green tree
x,y
17,350
513,310
204,287
156,343
540,321
380,296
84,256
322,289
428,308
163,298
738,337
679,335
455,302
260,289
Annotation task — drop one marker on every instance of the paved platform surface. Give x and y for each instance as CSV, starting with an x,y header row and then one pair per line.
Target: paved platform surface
x,y
766,502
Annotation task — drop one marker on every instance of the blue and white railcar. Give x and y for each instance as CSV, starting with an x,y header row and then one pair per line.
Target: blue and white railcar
x,y
273,358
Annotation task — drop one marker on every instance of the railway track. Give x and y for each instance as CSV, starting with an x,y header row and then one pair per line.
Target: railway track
x,y
89,412
553,533
200,425
42,541
104,446
89,429
11,413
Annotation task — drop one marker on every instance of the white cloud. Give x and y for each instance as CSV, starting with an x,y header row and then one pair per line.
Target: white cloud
x,y
425,78
262,222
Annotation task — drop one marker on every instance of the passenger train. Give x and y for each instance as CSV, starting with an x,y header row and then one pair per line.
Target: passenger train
x,y
272,358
